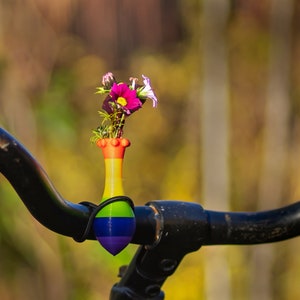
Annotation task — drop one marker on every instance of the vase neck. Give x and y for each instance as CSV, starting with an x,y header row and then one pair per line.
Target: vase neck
x,y
113,185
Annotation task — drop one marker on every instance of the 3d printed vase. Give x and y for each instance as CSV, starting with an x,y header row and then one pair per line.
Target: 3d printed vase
x,y
114,224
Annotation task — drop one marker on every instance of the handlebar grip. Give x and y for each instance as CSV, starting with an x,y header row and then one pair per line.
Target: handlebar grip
x,y
245,228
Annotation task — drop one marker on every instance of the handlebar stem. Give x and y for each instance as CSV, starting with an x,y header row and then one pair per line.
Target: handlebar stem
x,y
177,223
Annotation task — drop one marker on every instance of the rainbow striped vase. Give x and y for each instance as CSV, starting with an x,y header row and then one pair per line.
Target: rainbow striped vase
x,y
114,224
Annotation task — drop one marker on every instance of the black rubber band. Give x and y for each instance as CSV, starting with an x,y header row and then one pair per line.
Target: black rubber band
x,y
95,209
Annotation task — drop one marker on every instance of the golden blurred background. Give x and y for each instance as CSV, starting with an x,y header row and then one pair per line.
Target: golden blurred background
x,y
226,133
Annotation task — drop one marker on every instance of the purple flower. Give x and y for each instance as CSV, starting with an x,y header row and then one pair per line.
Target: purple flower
x,y
107,105
123,97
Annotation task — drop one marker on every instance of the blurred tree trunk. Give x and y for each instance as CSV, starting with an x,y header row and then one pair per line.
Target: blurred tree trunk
x,y
215,135
273,180
115,30
27,53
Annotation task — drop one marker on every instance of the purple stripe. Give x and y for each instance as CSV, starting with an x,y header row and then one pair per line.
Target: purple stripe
x,y
114,244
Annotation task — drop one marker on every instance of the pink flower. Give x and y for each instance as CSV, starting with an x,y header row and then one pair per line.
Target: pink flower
x,y
123,97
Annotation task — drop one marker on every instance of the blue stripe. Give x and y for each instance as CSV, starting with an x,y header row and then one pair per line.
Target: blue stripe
x,y
114,226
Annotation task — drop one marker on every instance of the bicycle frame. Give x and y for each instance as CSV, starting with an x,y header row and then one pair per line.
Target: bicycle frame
x,y
165,230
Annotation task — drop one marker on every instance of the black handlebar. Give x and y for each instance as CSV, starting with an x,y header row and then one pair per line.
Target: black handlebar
x,y
36,191
167,230
64,217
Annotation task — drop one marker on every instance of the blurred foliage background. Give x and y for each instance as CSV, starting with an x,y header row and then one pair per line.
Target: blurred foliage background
x,y
226,133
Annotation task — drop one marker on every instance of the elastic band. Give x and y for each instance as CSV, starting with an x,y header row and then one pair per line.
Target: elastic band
x,y
95,209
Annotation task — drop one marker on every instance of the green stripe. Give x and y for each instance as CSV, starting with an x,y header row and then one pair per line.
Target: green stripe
x,y
116,209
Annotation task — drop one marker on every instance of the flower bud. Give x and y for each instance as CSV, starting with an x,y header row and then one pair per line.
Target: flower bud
x,y
108,80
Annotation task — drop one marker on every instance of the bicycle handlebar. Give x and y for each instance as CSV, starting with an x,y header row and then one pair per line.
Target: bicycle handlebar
x,y
64,217
170,229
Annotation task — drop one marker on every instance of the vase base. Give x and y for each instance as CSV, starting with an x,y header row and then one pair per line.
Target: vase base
x,y
114,233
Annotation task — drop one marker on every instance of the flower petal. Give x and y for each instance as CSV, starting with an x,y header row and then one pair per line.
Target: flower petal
x,y
146,91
